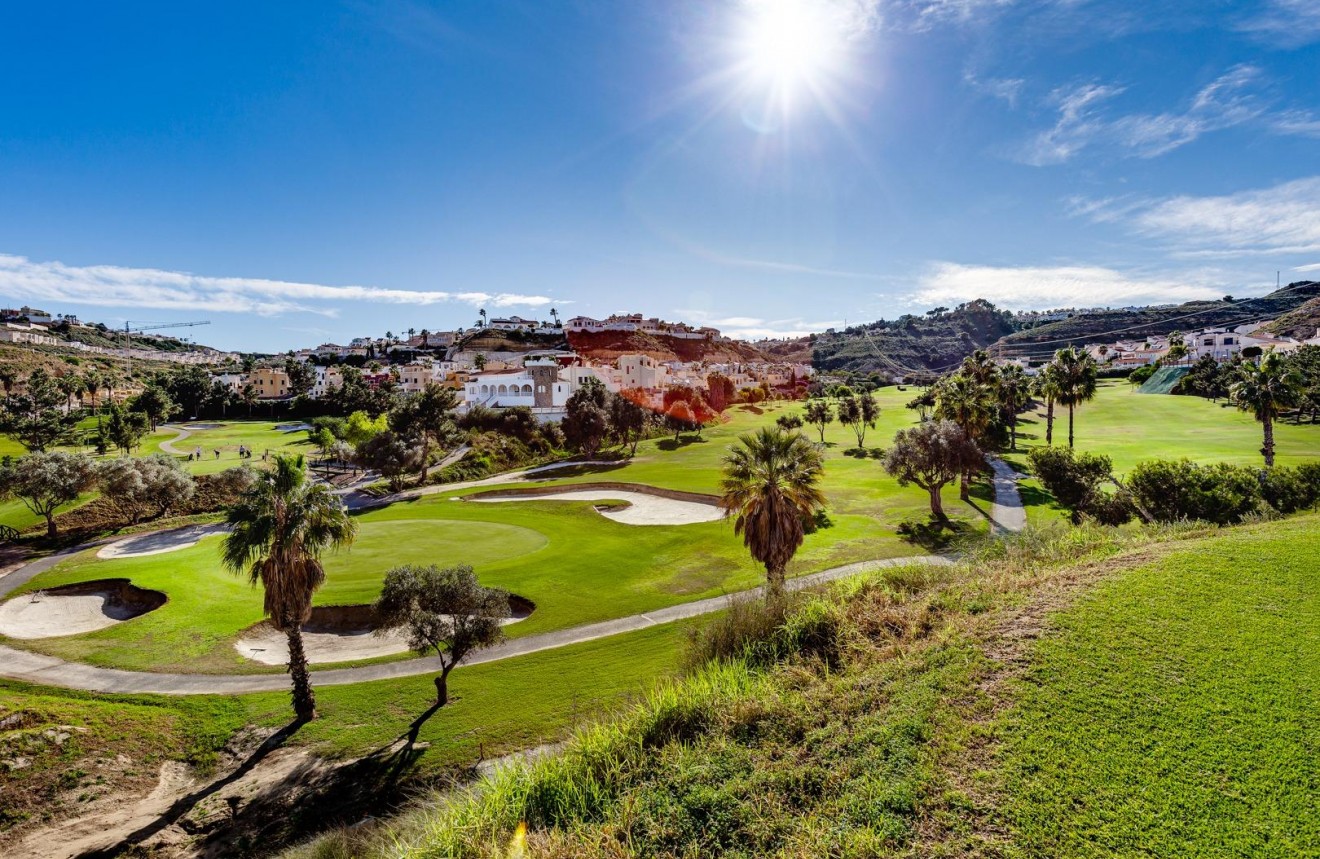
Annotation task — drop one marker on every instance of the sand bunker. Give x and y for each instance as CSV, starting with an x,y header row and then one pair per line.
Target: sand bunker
x,y
642,509
159,542
71,609
339,633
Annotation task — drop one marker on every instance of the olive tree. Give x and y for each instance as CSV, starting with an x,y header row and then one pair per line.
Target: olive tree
x,y
44,481
136,487
442,610
931,455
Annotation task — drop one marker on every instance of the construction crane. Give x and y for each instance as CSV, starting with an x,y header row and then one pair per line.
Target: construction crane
x,y
131,328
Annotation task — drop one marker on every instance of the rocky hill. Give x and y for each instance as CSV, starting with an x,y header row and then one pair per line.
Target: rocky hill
x,y
609,345
912,344
1301,323
1109,325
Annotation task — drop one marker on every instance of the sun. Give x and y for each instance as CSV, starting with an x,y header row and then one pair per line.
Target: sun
x,y
789,46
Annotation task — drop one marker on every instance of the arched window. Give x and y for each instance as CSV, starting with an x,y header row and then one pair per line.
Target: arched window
x,y
526,389
485,389
504,389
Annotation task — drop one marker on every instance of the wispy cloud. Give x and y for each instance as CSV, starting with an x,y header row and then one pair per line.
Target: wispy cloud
x,y
1315,266
1230,100
1291,23
1005,89
1284,219
117,286
1036,287
757,328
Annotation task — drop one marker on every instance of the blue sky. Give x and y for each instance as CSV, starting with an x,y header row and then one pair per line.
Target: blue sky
x,y
297,172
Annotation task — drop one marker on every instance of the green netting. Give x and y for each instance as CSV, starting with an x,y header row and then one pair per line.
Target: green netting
x,y
1163,380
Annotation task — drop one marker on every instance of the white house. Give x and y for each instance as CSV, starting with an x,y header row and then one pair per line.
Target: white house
x,y
17,332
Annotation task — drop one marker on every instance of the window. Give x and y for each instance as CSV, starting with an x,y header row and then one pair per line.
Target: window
x,y
1228,341
1209,341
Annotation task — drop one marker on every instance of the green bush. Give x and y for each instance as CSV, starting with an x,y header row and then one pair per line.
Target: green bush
x,y
1075,480
1288,490
1221,494
759,633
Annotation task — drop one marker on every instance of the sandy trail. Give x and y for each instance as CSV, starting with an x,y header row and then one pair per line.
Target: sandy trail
x,y
42,615
159,542
642,509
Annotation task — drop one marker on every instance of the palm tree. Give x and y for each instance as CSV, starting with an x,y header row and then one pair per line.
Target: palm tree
x,y
278,531
770,487
1077,381
8,376
1177,348
92,380
971,405
1047,388
110,381
981,367
71,386
1013,392
1266,390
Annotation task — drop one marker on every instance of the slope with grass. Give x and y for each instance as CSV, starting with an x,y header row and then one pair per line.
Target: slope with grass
x,y
1167,707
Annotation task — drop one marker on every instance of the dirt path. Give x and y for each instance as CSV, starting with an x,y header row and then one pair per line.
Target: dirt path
x,y
48,671
168,446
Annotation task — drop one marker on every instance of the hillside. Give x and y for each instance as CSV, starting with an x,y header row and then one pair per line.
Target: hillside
x,y
1108,325
911,344
1301,323
608,345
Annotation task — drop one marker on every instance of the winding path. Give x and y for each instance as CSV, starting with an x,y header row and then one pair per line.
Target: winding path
x,y
49,671
168,445
1007,515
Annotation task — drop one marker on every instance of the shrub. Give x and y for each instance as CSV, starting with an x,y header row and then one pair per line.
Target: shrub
x,y
1075,479
761,633
1287,490
1220,493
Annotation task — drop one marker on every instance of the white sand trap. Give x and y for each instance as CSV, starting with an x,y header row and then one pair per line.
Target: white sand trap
x,y
642,509
333,639
159,542
48,614
270,647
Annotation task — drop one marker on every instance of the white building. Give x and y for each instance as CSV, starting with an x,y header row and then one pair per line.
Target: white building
x,y
542,385
18,332
327,379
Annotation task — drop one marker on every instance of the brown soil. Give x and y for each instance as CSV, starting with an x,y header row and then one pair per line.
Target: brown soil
x,y
609,345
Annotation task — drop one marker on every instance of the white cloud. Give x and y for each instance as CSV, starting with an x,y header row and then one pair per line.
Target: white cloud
x,y
117,286
1290,23
1298,122
1037,287
1006,89
1279,220
1315,266
757,328
1229,100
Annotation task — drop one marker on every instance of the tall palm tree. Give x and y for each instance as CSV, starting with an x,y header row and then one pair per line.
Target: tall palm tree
x,y
1077,381
981,367
92,380
1047,388
971,405
1013,392
1266,390
71,386
771,487
278,531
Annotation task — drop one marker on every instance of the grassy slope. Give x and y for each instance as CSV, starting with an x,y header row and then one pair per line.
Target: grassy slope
x,y
1129,427
1173,713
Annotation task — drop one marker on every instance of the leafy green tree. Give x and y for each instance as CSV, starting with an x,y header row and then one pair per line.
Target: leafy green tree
x,y
771,488
445,611
1077,381
46,481
586,422
155,403
122,429
859,413
302,377
392,454
627,418
931,455
1267,389
360,428
819,414
37,418
427,416
720,392
279,529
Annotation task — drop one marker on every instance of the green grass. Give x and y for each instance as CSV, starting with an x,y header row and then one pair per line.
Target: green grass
x,y
1174,711
1129,427
257,435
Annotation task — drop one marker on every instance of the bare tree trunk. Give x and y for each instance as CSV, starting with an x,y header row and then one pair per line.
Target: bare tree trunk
x,y
1049,421
1012,432
442,685
1070,425
304,700
965,486
1268,448
51,530
937,504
